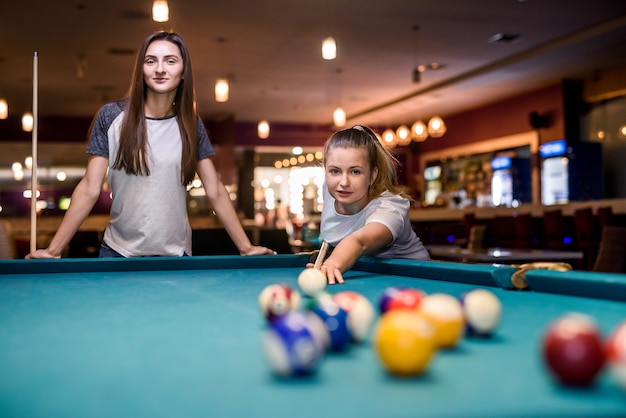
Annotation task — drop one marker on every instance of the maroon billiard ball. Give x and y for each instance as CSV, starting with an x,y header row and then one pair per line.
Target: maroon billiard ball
x,y
573,349
277,299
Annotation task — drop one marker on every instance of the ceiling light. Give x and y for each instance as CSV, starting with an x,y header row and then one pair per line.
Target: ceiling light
x,y
27,122
436,127
418,131
329,48
221,90
404,135
263,129
4,109
339,117
389,138
160,11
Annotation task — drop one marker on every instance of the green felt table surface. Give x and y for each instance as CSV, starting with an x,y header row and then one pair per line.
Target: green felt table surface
x,y
182,337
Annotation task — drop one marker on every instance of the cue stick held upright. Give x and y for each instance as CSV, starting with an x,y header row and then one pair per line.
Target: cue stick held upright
x,y
33,177
321,255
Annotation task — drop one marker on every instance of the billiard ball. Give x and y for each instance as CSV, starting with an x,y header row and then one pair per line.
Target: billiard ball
x,y
404,342
446,315
408,298
482,311
311,281
572,349
335,320
318,330
615,351
386,297
360,313
278,299
290,346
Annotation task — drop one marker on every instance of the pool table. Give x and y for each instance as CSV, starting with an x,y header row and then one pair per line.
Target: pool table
x,y
182,337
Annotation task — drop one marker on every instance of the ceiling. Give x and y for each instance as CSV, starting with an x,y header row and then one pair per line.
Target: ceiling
x,y
272,57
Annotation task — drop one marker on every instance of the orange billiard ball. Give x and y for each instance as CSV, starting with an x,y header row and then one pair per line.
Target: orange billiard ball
x,y
446,314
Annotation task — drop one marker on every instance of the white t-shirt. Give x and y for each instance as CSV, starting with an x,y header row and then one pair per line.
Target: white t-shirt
x,y
148,213
388,209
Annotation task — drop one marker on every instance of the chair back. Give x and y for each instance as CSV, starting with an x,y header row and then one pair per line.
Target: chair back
x,y
554,229
7,244
612,253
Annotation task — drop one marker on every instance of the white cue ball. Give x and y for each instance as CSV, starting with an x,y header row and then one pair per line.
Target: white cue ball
x,y
312,281
482,311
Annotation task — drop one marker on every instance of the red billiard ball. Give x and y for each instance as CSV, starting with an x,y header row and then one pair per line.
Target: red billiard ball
x,y
573,350
386,297
615,351
400,298
277,299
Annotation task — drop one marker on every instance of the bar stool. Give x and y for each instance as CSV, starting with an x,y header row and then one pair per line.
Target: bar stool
x,y
524,230
604,216
586,236
503,231
612,253
553,229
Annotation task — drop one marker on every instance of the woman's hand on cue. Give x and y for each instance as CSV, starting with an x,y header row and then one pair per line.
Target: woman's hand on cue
x,y
41,254
257,250
332,272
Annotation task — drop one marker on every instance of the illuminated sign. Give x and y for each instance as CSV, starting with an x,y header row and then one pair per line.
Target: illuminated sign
x,y
500,163
553,149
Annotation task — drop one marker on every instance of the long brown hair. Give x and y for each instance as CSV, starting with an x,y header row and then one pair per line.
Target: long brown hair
x,y
378,157
132,153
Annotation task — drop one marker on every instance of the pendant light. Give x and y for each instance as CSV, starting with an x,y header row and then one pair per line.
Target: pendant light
x,y
403,135
263,129
389,138
222,88
419,132
436,127
339,117
4,109
329,48
160,11
27,122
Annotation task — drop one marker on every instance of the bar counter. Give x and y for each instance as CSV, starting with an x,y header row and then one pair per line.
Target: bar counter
x,y
435,214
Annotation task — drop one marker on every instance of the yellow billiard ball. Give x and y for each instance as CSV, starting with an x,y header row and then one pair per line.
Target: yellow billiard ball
x,y
404,342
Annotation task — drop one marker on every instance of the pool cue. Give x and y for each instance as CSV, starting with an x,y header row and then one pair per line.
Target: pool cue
x,y
33,177
321,255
